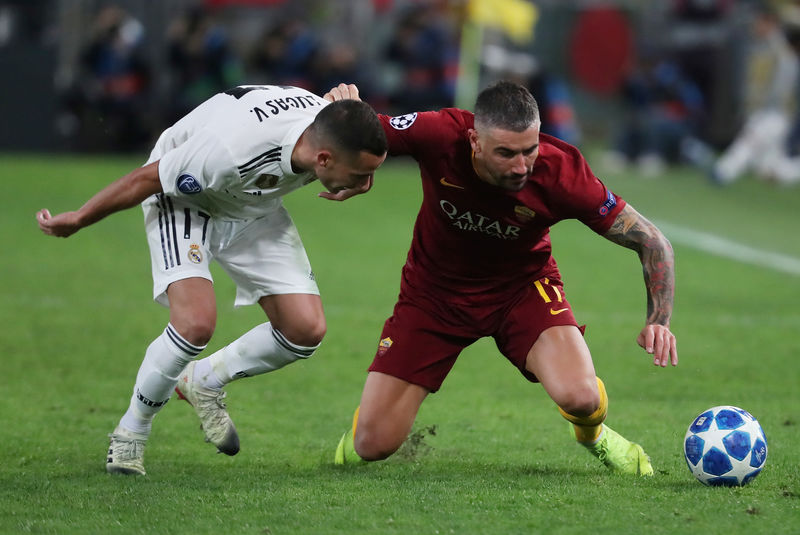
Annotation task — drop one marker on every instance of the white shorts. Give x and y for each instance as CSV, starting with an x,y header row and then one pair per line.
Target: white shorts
x,y
263,256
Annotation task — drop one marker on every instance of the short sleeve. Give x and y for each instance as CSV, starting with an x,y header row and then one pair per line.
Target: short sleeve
x,y
421,132
201,162
583,196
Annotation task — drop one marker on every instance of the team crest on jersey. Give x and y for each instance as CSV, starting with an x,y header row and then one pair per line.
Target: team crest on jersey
x,y
266,181
188,184
384,345
524,213
194,254
401,122
610,203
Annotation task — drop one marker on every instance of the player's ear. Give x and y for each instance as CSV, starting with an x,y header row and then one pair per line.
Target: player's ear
x,y
324,158
473,140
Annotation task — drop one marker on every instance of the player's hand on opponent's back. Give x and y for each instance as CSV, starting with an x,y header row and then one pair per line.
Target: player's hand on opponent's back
x,y
342,92
61,225
659,341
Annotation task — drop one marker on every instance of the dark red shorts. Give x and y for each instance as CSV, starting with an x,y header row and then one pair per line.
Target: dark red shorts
x,y
422,339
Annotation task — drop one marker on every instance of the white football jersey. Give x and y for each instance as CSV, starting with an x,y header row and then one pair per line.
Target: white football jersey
x,y
231,156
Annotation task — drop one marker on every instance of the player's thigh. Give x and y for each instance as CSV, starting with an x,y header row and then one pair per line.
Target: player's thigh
x,y
299,317
388,408
179,238
193,309
418,346
541,306
266,257
561,360
541,337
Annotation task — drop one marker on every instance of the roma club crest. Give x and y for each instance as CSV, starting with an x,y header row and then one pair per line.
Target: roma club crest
x,y
384,345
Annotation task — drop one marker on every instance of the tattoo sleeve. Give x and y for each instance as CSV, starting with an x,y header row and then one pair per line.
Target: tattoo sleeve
x,y
630,229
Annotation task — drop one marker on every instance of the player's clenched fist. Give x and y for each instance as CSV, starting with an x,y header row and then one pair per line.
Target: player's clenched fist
x,y
342,92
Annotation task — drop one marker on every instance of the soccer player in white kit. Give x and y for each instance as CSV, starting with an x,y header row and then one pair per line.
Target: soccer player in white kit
x,y
212,189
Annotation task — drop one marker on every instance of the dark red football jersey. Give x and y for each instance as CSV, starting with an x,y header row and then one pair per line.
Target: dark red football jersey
x,y
477,243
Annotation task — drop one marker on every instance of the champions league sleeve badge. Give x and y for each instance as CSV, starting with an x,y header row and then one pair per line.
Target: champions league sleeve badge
x,y
610,203
188,184
402,122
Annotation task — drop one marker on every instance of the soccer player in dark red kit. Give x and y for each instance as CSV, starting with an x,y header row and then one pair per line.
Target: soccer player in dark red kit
x,y
480,265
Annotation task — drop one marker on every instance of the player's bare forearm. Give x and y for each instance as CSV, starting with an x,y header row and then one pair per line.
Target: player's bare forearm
x,y
633,231
126,192
630,229
123,193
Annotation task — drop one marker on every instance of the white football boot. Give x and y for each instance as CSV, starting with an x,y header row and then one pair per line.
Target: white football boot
x,y
214,419
125,453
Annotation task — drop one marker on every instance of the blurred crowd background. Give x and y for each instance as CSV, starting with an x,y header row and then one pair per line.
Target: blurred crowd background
x,y
709,83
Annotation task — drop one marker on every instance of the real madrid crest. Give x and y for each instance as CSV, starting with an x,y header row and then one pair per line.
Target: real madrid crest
x,y
194,254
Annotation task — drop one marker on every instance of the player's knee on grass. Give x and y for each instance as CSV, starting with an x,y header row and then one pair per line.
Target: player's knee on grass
x,y
376,446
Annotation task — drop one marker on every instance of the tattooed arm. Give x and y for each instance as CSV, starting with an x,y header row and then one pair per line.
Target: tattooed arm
x,y
630,229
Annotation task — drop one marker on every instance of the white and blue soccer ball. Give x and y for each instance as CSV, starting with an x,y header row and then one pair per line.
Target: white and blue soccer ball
x,y
725,446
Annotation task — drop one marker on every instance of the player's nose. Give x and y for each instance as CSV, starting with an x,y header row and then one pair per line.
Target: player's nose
x,y
520,165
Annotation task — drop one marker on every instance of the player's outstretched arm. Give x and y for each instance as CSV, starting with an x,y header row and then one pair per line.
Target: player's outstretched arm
x,y
630,229
125,192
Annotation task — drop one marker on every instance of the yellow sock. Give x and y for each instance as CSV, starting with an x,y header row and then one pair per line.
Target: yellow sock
x,y
588,428
355,421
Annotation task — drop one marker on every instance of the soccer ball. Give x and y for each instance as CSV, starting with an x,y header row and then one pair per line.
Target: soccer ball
x,y
725,446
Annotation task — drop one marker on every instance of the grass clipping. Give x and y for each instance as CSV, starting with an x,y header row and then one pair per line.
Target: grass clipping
x,y
416,445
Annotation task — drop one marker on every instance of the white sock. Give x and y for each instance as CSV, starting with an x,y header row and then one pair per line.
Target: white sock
x,y
204,375
260,350
163,362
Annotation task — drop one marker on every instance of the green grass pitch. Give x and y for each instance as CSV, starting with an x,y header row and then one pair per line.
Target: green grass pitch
x,y
76,316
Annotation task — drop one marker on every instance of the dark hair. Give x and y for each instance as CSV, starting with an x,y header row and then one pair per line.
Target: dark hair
x,y
351,125
506,105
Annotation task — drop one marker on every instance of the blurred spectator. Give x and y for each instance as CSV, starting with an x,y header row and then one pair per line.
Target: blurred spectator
x,y
290,53
105,109
770,92
340,62
699,37
283,55
201,60
790,16
663,110
551,92
555,105
424,49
